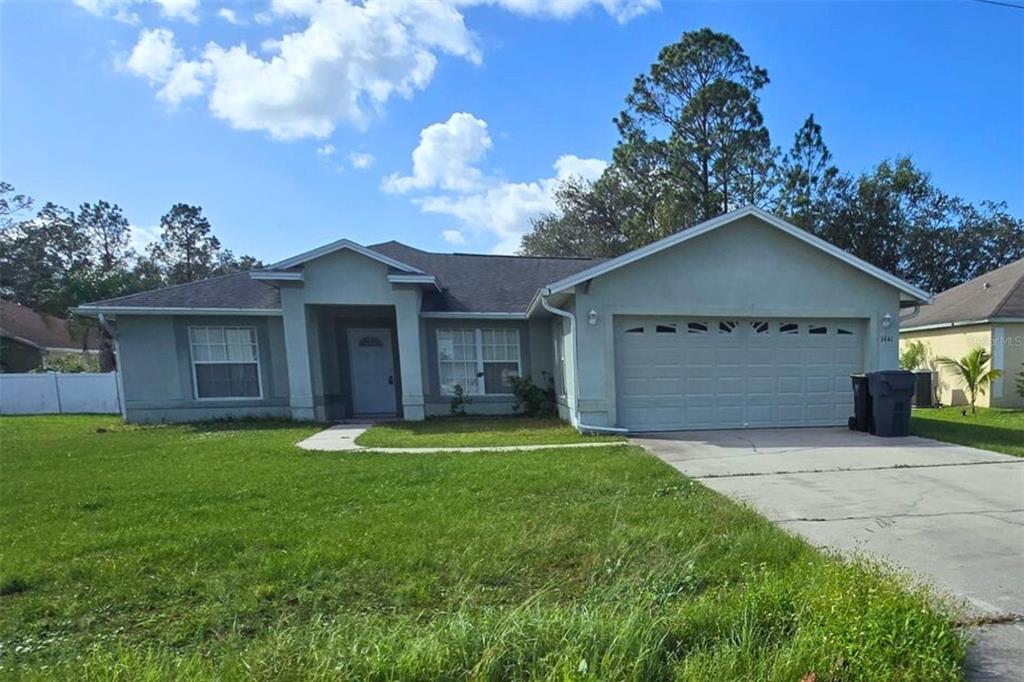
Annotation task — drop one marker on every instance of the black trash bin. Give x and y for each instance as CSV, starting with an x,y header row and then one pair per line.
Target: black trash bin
x,y
891,392
861,419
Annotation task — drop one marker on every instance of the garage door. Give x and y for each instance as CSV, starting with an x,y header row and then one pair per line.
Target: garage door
x,y
713,373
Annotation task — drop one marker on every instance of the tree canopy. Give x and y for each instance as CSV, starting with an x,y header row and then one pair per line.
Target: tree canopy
x,y
693,145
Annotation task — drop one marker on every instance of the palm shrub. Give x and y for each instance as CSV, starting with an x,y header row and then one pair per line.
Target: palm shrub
x,y
913,356
971,371
1020,381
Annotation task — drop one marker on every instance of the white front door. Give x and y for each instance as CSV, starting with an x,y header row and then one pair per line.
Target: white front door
x,y
372,368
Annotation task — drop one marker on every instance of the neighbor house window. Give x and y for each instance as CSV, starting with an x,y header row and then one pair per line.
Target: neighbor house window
x,y
482,361
225,362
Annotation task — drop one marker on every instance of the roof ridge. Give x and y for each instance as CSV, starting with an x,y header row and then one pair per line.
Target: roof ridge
x,y
1011,292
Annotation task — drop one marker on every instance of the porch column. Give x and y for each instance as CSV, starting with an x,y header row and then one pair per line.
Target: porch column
x,y
407,321
296,341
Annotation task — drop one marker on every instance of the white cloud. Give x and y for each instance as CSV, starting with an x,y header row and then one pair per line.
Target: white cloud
x,y
179,9
361,160
140,237
124,10
154,55
454,237
227,14
445,156
344,62
325,150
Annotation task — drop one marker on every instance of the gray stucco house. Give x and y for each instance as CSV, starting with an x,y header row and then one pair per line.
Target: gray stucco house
x,y
744,320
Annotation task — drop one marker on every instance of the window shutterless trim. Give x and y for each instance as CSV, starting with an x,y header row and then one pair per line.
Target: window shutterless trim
x,y
478,335
193,362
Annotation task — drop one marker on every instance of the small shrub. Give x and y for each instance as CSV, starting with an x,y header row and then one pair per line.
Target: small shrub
x,y
531,399
1020,382
459,401
913,356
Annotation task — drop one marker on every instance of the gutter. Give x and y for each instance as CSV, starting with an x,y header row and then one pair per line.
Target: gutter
x,y
118,377
574,413
962,323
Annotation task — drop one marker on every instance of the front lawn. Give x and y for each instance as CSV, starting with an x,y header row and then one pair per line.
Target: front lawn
x,y
224,552
476,432
991,429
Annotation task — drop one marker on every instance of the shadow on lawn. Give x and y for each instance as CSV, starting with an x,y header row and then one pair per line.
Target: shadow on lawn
x,y
1009,441
250,424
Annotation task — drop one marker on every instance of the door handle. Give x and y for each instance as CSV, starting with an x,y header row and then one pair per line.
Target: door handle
x,y
391,379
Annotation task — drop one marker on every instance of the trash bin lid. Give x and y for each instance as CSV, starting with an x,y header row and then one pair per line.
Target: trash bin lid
x,y
889,381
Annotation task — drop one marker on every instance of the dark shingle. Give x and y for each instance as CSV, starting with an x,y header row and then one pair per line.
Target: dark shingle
x,y
237,290
476,283
44,330
996,294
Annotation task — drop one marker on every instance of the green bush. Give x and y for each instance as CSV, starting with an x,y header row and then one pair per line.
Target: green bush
x,y
531,399
913,356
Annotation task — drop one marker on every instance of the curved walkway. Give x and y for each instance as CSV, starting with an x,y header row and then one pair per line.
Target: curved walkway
x,y
342,438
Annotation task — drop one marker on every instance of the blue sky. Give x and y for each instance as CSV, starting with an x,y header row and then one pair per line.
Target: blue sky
x,y
124,100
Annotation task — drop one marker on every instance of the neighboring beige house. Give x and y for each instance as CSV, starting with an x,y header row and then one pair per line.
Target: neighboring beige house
x,y
988,312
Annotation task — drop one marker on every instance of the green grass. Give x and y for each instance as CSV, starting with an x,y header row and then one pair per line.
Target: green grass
x,y
222,551
476,432
1000,430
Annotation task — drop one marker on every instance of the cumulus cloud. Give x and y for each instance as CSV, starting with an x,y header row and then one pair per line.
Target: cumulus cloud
x,y
140,237
227,14
445,167
453,237
361,160
337,62
124,10
325,150
154,56
445,156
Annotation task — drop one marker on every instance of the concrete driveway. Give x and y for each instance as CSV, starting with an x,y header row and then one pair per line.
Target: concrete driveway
x,y
952,515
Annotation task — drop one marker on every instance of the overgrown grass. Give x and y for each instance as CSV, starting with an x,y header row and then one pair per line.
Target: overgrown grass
x,y
1000,430
454,432
224,552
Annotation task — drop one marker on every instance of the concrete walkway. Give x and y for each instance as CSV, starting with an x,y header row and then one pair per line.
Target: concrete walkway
x,y
951,515
342,438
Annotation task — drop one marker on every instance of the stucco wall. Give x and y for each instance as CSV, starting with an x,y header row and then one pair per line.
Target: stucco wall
x,y
1005,342
347,278
156,369
744,269
535,352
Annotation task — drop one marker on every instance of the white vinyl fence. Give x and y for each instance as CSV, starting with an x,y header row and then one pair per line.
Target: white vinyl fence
x,y
55,393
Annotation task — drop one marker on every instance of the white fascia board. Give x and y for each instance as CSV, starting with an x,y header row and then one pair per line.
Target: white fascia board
x,y
414,279
88,310
444,315
725,219
338,246
268,276
961,323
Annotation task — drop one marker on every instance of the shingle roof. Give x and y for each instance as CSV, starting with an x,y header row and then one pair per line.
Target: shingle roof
x,y
44,330
468,282
478,283
996,294
237,290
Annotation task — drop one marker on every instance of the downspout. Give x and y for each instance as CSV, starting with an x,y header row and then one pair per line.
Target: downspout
x,y
574,413
118,379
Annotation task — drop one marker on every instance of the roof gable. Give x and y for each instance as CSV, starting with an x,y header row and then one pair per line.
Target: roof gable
x,y
338,246
726,219
43,330
998,294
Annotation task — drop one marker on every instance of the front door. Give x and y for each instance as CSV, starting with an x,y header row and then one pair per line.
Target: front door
x,y
372,368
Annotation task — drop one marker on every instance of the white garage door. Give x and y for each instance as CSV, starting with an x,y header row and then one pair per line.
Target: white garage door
x,y
714,373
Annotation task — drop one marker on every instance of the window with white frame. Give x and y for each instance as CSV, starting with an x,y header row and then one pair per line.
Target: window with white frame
x,y
225,362
482,361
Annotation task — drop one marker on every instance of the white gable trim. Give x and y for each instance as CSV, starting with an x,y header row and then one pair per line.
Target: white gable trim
x,y
338,246
709,225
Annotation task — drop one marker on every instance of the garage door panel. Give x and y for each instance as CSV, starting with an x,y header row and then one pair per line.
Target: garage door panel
x,y
729,372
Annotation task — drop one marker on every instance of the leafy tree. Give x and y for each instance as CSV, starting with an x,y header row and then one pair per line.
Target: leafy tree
x,y
108,234
913,356
11,204
805,177
187,249
592,221
971,371
695,116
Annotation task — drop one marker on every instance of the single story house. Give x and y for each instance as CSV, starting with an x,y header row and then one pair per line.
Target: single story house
x,y
986,312
741,321
31,340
